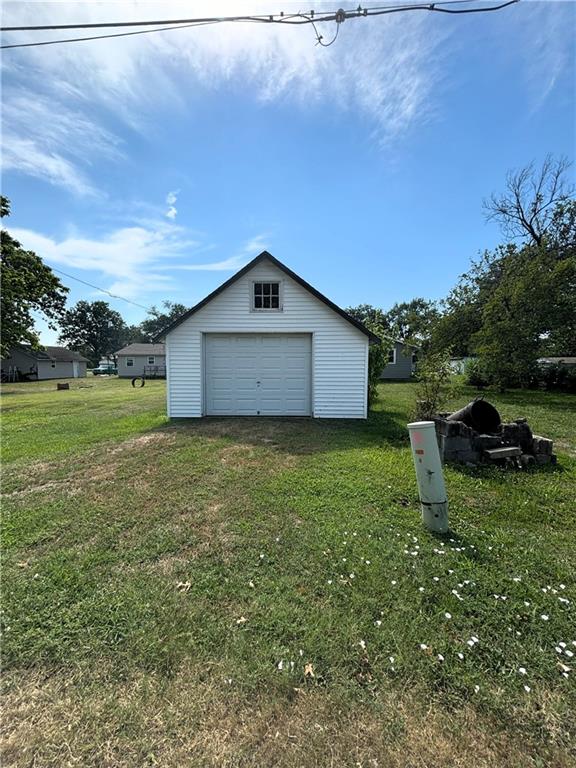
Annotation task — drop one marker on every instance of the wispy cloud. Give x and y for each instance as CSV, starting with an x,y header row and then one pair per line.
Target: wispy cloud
x,y
248,251
135,262
382,71
171,199
56,145
134,257
388,71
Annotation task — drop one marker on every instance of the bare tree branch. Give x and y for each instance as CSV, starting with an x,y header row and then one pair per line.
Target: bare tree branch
x,y
526,208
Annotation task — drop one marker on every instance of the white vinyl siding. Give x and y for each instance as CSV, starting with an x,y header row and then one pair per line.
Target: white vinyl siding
x,y
339,350
138,365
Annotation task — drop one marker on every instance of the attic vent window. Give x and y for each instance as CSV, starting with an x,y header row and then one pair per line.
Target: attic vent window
x,y
266,296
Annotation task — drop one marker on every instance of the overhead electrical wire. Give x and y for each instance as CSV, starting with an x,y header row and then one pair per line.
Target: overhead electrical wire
x,y
102,290
311,17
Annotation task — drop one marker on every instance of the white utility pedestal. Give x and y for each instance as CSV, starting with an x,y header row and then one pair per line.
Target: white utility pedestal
x,y
429,475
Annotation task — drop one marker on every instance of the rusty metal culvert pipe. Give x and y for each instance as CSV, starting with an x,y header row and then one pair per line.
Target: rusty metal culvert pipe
x,y
479,415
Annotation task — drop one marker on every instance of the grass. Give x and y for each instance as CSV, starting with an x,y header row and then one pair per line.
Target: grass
x,y
256,592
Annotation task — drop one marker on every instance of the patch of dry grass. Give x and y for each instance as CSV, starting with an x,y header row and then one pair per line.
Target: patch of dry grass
x,y
198,718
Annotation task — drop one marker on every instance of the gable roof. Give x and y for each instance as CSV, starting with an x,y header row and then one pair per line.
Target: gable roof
x,y
54,354
63,355
262,257
142,349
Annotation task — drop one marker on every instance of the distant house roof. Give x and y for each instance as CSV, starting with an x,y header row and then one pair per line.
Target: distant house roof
x,y
63,355
142,349
54,354
565,360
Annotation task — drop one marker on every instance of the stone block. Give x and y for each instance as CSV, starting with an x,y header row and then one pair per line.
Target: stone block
x,y
507,452
482,442
510,434
542,445
457,444
543,458
469,457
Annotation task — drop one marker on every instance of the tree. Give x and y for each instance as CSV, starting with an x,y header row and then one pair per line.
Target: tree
x,y
28,285
461,318
157,320
94,329
369,316
413,321
526,208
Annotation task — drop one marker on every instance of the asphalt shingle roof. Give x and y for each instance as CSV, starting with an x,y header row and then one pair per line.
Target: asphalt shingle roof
x,y
142,349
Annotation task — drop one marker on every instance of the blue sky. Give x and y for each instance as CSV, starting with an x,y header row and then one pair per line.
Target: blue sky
x,y
156,166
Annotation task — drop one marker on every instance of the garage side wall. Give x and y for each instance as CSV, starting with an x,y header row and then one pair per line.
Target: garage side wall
x,y
339,350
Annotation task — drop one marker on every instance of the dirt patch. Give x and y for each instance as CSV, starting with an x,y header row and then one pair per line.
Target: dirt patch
x,y
153,438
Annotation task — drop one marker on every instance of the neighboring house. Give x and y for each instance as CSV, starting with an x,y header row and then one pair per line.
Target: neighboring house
x,y
147,360
567,362
266,343
401,363
458,364
25,363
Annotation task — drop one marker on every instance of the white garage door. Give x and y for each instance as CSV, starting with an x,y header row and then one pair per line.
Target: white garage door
x,y
249,374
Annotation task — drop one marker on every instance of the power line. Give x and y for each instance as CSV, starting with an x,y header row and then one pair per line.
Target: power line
x,y
310,17
102,290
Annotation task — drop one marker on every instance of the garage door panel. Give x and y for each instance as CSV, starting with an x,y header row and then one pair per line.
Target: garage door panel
x,y
258,374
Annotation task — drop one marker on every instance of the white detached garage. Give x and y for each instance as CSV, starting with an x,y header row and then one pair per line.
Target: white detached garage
x,y
266,343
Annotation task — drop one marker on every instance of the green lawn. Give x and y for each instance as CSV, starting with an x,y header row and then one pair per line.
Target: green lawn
x,y
260,592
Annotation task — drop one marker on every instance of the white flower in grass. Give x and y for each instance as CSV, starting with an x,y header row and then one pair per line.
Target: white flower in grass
x,y
343,559
516,579
329,581
522,670
475,639
351,575
251,584
362,645
544,617
261,557
391,659
423,647
394,583
470,643
562,644
280,665
377,622
526,603
435,578
476,688
527,688
447,615
420,589
568,653
440,657
562,586
367,562
460,656
558,650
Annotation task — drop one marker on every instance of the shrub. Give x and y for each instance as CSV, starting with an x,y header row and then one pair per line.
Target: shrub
x,y
475,374
435,384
